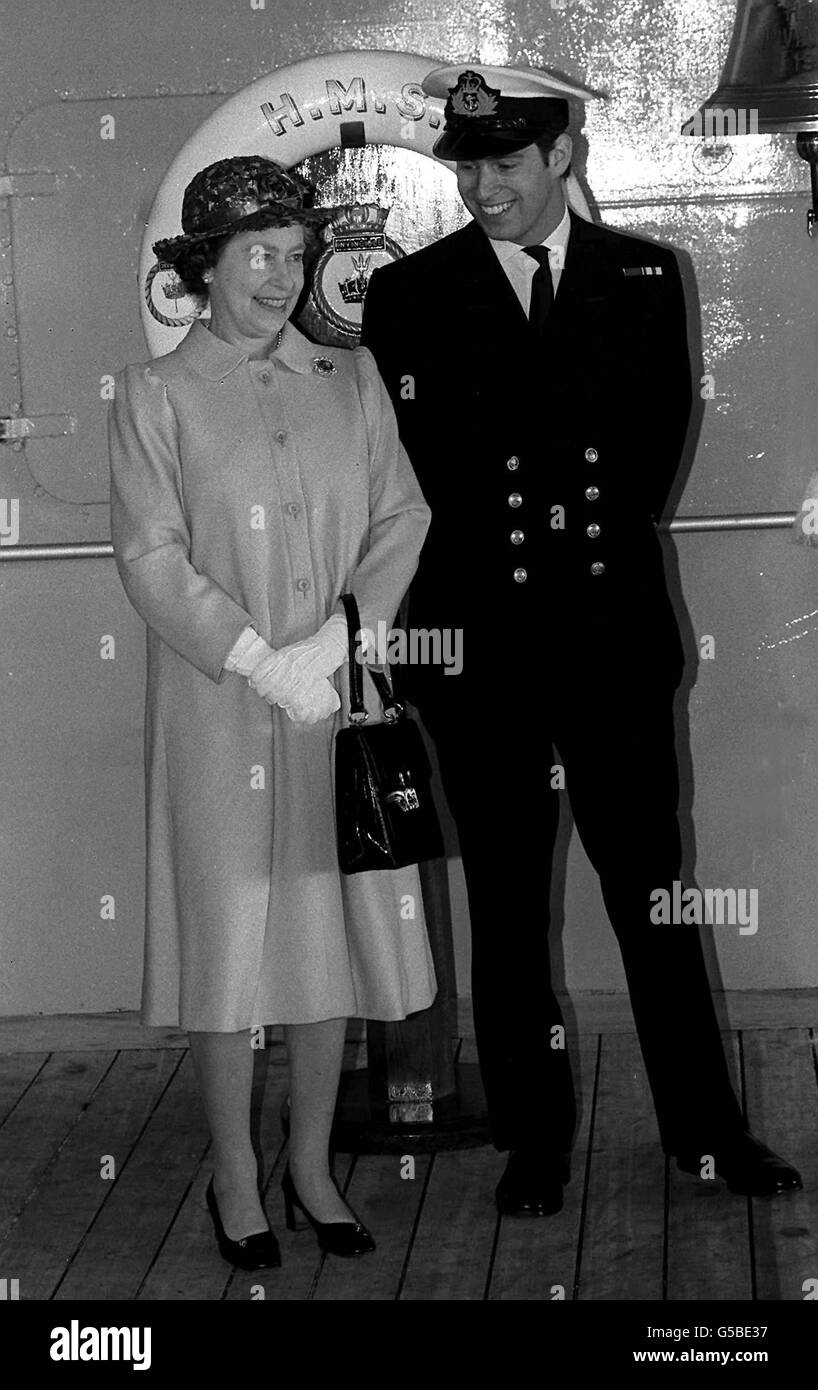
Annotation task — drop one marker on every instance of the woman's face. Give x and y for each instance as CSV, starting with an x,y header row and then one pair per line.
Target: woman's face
x,y
256,283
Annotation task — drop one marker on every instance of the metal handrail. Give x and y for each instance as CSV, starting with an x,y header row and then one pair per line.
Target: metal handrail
x,y
103,550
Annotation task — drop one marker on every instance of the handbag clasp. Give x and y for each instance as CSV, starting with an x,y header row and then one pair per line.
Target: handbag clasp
x,y
406,799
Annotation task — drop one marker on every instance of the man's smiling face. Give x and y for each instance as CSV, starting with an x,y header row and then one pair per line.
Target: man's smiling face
x,y
516,197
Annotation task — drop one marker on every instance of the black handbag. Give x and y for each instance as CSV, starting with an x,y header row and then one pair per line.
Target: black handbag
x,y
385,816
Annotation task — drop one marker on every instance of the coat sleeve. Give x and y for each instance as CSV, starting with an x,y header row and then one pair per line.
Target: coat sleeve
x,y
149,529
398,515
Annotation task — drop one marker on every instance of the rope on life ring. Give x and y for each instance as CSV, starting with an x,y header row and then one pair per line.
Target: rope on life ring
x,y
160,317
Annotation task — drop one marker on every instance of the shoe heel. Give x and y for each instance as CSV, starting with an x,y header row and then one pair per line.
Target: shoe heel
x,y
292,1222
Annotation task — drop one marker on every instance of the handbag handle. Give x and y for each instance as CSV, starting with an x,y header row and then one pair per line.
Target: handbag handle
x,y
392,708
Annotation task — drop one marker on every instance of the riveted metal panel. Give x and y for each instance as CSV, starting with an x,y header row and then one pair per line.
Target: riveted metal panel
x,y
75,253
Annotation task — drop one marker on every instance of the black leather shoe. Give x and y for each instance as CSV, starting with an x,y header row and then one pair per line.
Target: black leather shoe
x,y
345,1238
531,1184
258,1251
748,1167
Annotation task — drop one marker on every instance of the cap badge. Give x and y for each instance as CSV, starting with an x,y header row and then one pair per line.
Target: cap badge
x,y
472,97
324,366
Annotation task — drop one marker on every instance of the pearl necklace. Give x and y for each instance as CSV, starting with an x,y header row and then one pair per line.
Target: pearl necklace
x,y
275,347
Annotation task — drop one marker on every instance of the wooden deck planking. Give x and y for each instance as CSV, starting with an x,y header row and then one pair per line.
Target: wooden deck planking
x,y
70,1234
17,1071
453,1244
782,1092
41,1243
708,1232
122,1242
36,1127
622,1252
534,1255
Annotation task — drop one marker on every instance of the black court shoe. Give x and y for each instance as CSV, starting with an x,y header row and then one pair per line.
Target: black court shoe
x,y
259,1251
345,1238
531,1184
747,1166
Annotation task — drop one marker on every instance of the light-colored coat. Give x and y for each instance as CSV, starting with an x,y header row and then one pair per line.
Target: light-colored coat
x,y
257,492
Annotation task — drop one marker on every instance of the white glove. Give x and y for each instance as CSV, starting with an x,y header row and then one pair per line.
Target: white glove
x,y
307,706
285,676
318,702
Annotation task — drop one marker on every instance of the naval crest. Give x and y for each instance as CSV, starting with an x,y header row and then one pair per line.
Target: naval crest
x,y
472,96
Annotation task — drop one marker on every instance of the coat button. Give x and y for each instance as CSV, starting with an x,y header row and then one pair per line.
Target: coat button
x,y
293,508
592,493
517,537
591,455
303,585
513,462
520,576
597,567
515,499
281,437
264,376
593,531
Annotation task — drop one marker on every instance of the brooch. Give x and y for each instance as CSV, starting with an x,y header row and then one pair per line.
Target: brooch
x,y
324,366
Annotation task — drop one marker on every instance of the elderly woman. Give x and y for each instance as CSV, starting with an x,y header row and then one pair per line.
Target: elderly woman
x,y
254,479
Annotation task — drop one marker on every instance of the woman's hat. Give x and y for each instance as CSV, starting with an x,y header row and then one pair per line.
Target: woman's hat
x,y
227,194
493,111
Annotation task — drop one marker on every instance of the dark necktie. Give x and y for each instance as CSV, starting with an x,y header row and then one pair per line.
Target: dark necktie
x,y
542,288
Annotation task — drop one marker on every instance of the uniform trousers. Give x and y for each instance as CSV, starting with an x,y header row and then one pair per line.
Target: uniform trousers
x,y
615,740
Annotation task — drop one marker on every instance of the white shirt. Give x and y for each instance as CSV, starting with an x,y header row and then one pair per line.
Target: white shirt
x,y
521,268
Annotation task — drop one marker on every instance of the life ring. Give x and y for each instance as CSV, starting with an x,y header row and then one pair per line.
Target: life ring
x,y
337,99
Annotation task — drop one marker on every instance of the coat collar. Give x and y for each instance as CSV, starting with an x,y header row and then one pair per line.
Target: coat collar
x,y
214,358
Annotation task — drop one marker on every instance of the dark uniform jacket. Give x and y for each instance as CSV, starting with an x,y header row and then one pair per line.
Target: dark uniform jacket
x,y
546,461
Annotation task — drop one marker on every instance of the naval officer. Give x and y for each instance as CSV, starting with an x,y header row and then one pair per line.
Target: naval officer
x,y
539,369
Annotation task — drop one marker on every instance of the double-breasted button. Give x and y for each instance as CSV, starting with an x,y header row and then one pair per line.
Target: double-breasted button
x,y
593,531
515,499
591,455
592,493
520,576
303,585
281,437
512,463
597,567
517,537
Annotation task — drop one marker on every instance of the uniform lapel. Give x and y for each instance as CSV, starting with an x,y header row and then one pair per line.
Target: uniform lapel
x,y
496,333
483,290
483,282
586,284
